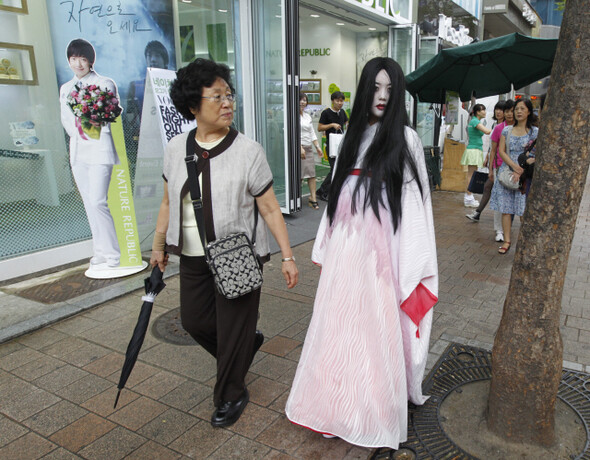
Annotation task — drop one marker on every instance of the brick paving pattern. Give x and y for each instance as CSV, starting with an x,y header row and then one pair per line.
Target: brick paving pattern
x,y
58,384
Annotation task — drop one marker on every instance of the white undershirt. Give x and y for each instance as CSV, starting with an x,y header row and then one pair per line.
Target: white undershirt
x,y
191,241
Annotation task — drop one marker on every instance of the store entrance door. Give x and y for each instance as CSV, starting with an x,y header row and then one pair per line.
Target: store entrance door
x,y
403,45
276,61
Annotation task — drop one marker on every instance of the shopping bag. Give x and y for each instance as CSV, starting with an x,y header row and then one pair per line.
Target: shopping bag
x,y
478,179
334,142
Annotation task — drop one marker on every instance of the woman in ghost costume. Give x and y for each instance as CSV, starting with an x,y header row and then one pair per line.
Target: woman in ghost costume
x,y
366,346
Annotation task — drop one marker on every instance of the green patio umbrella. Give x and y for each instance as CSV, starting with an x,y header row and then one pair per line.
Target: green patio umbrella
x,y
485,68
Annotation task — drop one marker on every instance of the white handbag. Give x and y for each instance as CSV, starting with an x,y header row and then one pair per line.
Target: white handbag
x,y
334,142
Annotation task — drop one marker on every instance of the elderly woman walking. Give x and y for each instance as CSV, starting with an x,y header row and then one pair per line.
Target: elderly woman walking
x,y
236,184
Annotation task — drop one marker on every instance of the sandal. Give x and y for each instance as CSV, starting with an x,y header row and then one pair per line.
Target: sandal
x,y
313,204
504,248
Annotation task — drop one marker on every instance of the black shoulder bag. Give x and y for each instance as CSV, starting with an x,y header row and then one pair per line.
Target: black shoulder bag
x,y
232,259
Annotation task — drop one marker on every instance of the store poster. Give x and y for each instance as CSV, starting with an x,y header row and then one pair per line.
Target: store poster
x,y
452,102
121,34
160,123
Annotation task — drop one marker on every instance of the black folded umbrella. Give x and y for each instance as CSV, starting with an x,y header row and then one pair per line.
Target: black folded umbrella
x,y
153,285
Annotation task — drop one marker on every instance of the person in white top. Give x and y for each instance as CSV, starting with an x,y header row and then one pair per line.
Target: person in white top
x,y
366,346
91,158
309,140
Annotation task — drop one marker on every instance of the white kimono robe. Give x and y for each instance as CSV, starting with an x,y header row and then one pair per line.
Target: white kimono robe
x,y
366,347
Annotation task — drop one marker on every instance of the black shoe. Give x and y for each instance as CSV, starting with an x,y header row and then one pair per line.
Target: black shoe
x,y
228,413
258,341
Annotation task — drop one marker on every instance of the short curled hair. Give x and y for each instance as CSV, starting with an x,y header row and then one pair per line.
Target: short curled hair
x,y
187,89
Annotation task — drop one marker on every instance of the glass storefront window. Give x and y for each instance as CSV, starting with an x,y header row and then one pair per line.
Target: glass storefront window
x,y
209,29
425,113
267,17
40,207
403,48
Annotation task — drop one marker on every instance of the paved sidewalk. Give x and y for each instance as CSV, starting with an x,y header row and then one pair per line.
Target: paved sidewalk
x,y
58,384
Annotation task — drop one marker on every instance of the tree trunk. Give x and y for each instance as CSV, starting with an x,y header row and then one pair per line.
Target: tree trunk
x,y
527,353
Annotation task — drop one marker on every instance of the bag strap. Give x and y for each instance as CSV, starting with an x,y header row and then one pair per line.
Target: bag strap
x,y
191,161
508,145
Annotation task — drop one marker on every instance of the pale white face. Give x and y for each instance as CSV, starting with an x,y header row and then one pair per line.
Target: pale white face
x,y
381,96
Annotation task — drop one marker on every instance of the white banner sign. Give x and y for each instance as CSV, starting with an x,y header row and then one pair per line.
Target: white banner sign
x,y
160,122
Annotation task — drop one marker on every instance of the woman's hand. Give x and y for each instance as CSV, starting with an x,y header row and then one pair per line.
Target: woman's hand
x,y
272,215
515,177
159,258
530,160
319,150
290,273
517,169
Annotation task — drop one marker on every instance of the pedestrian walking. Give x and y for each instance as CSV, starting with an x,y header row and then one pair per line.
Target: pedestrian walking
x,y
513,142
333,120
473,154
309,142
494,161
237,183
365,350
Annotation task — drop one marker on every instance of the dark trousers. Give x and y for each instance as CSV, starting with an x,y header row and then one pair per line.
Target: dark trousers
x,y
225,328
485,197
325,187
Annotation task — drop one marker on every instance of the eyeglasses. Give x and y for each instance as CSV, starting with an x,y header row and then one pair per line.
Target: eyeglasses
x,y
218,99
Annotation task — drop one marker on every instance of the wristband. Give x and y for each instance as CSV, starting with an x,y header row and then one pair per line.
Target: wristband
x,y
288,259
159,242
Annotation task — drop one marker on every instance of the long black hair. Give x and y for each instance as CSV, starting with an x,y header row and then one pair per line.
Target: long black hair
x,y
388,154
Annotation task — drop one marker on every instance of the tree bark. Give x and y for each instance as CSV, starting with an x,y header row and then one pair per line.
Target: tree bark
x,y
527,353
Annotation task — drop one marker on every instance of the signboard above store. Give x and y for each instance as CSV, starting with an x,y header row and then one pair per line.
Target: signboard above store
x,y
473,7
394,11
501,6
495,6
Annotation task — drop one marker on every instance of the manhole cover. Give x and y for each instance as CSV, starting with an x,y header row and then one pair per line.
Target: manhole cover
x,y
68,287
457,366
168,328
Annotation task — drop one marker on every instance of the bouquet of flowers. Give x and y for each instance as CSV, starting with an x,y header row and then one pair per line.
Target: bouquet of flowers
x,y
93,108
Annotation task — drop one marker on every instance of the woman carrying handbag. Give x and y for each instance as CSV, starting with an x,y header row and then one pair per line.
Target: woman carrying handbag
x,y
507,198
235,179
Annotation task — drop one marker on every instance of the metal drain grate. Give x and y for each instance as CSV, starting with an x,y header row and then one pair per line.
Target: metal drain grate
x,y
459,365
65,288
168,328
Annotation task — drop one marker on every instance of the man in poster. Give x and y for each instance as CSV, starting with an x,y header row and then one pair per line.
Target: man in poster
x,y
85,117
